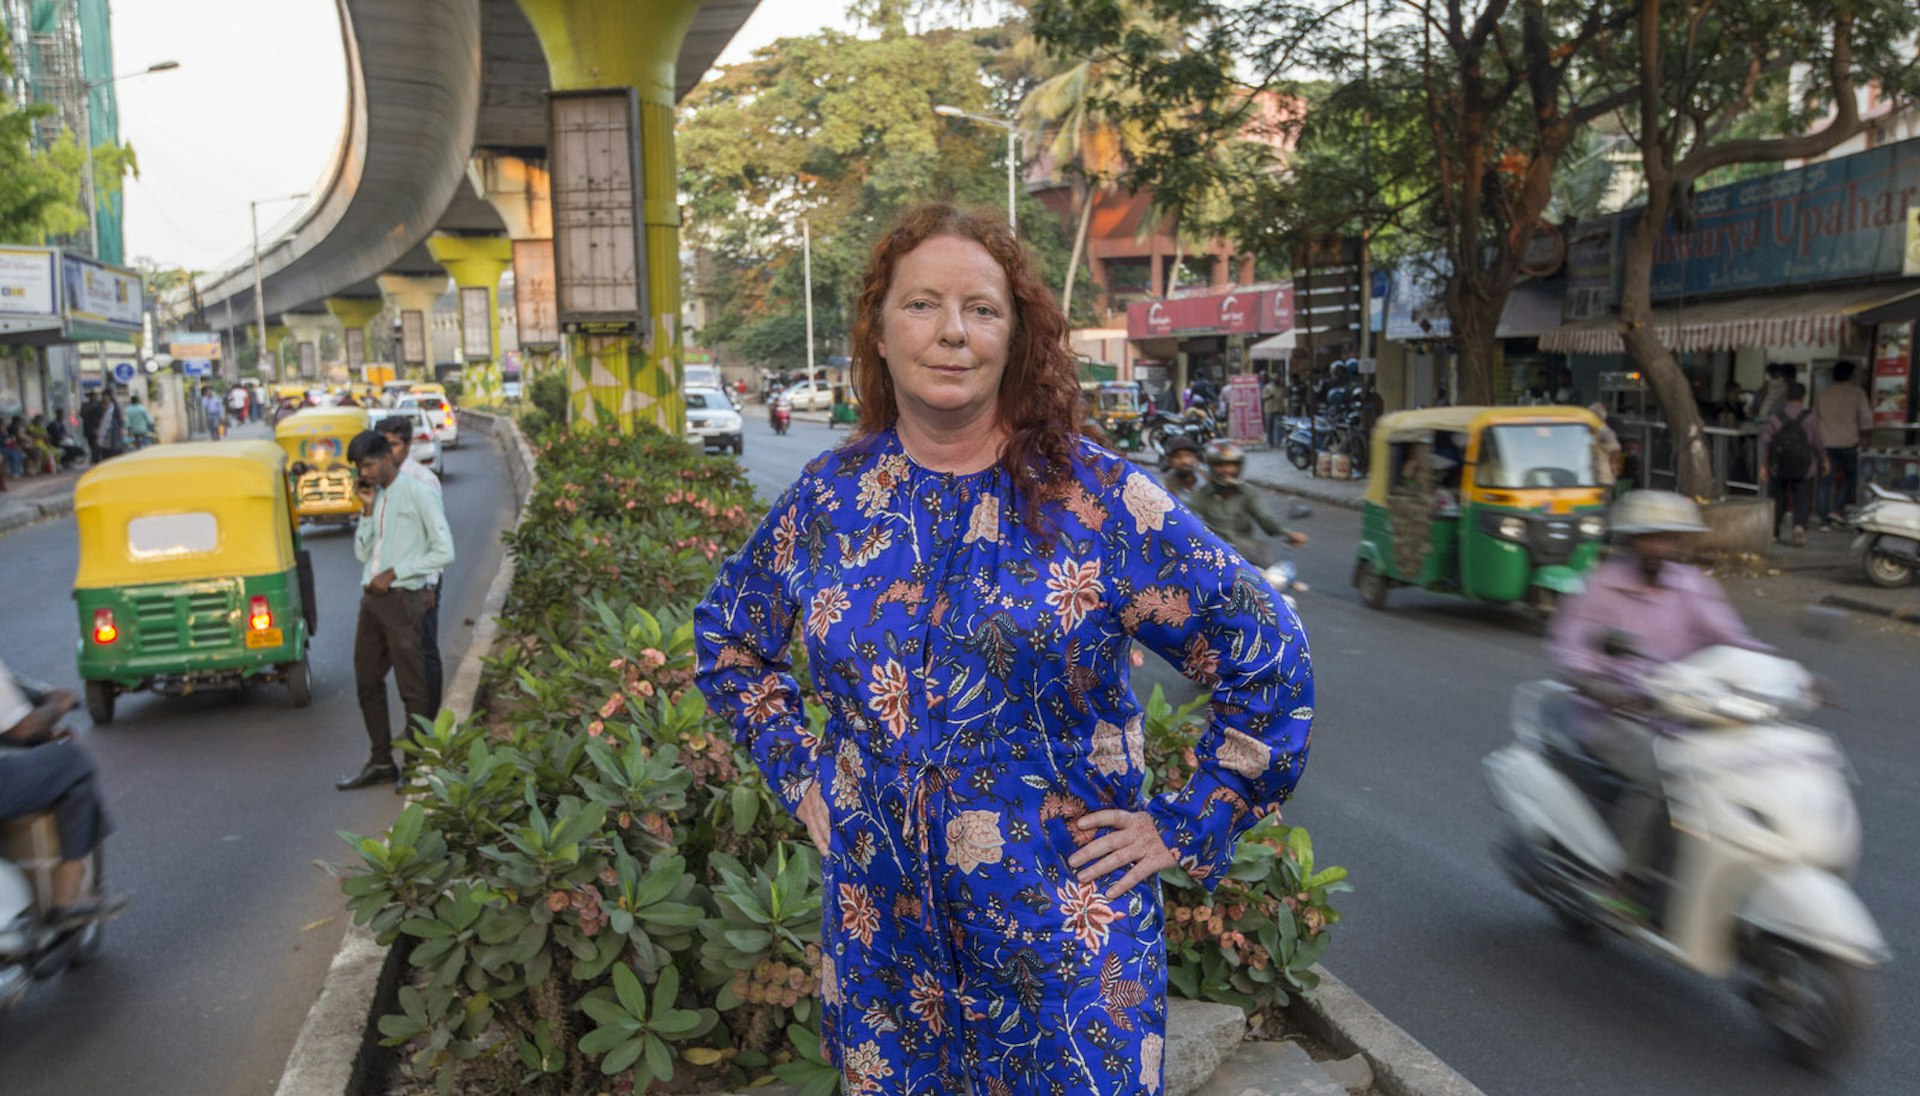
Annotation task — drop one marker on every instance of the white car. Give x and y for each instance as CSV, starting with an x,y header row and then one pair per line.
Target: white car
x,y
425,447
809,396
712,422
446,425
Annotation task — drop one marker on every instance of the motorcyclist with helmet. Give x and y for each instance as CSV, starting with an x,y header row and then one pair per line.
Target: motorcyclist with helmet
x,y
1182,475
1233,510
1642,608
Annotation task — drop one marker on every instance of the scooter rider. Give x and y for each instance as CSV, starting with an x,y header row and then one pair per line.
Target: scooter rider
x,y
1233,510
45,770
1668,610
1182,477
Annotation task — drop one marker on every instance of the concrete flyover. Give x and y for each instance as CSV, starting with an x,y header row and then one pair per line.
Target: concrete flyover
x,y
430,84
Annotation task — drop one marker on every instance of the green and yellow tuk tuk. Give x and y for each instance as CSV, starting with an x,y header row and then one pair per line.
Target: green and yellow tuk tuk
x,y
1116,407
846,405
191,573
315,441
1498,504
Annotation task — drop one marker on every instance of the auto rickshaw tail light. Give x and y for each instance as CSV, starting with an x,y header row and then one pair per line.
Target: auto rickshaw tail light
x,y
104,630
260,616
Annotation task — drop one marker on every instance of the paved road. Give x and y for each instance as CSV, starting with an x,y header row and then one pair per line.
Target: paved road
x,y
224,803
1410,700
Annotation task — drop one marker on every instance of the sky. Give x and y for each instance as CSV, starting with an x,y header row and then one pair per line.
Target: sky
x,y
256,108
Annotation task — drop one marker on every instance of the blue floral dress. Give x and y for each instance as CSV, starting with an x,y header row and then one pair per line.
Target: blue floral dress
x,y
976,683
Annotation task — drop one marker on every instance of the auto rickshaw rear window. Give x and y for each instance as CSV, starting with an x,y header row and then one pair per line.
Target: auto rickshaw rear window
x,y
168,536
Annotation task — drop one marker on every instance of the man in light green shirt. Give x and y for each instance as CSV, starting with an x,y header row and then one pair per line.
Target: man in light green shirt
x,y
402,541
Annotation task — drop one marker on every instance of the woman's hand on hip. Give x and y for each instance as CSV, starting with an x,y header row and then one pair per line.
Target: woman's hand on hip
x,y
1134,844
813,812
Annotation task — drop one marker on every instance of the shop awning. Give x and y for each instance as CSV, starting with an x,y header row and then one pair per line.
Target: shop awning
x,y
1774,321
1272,348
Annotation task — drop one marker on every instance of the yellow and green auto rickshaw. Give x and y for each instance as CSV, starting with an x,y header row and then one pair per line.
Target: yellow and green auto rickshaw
x,y
1117,409
1498,504
191,573
846,405
316,442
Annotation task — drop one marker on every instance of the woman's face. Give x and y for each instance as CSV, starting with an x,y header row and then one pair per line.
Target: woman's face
x,y
945,327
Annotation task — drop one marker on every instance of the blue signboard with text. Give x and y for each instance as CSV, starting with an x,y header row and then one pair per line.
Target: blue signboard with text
x,y
1837,220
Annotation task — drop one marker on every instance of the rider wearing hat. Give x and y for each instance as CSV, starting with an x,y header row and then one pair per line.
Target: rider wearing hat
x,y
1233,510
1665,610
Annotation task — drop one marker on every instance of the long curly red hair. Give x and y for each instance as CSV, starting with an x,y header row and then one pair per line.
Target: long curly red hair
x,y
1039,404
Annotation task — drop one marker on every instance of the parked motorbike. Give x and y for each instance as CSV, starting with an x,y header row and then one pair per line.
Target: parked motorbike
x,y
1887,544
1299,444
1764,840
33,949
780,412
1195,422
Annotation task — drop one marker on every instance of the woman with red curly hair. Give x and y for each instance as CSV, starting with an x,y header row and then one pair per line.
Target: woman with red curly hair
x,y
969,575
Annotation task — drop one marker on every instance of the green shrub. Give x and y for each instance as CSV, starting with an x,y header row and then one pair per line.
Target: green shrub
x,y
596,883
549,394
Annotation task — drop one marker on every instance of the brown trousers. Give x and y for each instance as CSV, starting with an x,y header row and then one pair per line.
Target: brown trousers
x,y
388,638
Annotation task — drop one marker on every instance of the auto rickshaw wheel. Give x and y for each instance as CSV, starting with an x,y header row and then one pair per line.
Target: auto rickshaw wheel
x,y
100,696
1373,586
299,683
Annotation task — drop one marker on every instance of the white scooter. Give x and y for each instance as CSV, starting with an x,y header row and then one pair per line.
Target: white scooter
x,y
1887,544
31,948
1765,838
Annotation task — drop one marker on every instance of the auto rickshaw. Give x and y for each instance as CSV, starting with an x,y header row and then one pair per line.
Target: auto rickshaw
x,y
191,574
1116,407
846,405
1498,504
315,441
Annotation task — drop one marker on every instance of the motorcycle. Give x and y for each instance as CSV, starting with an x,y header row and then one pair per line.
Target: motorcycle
x,y
1887,540
1299,444
33,949
1195,422
1283,574
781,415
1764,839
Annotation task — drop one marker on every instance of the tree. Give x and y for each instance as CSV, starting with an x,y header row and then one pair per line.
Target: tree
x,y
1698,70
1495,86
843,134
40,188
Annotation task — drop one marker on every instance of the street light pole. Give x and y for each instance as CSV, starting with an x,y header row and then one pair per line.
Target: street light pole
x,y
259,297
806,252
86,130
1013,150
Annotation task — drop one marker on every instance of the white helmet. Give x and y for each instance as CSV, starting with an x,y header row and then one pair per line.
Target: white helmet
x,y
1639,512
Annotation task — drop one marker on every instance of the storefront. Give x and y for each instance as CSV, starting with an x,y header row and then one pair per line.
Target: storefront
x,y
49,302
1205,336
1427,373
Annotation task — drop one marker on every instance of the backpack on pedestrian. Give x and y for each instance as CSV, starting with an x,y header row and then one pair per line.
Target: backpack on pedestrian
x,y
1790,453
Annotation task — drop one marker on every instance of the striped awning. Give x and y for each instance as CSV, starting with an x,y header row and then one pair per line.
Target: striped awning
x,y
1818,318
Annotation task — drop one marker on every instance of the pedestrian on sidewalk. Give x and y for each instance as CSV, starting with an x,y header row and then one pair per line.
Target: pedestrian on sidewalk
x,y
1845,414
237,403
1773,394
978,794
399,432
139,423
402,539
1273,402
90,410
213,411
111,436
1795,458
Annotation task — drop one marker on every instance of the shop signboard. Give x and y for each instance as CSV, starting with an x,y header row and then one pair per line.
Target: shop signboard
x,y
1892,374
1243,408
197,345
1837,219
101,296
29,292
1417,301
1236,312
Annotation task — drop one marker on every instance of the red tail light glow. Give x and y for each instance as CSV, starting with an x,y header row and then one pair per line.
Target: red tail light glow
x,y
104,631
260,616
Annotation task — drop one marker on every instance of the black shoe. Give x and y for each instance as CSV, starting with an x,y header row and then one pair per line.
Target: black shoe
x,y
92,911
374,772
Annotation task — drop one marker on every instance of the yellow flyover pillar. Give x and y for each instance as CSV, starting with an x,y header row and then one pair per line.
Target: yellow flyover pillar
x,y
520,192
593,44
276,334
413,293
354,314
477,262
307,327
